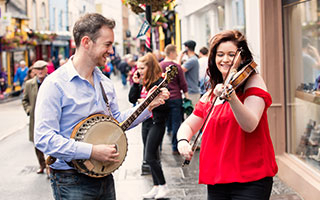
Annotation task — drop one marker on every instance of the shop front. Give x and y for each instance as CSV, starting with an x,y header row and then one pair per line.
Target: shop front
x,y
290,64
61,45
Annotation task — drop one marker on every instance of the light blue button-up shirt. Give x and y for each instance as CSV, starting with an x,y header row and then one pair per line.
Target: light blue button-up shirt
x,y
65,99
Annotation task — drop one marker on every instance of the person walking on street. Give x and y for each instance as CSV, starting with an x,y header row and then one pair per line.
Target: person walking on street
x,y
176,87
69,95
3,83
237,159
191,69
20,74
203,64
29,101
124,68
149,74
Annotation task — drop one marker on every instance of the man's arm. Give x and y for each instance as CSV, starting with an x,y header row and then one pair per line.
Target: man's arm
x,y
15,78
25,99
47,135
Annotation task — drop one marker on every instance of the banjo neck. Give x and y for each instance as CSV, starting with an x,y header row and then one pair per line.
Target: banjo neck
x,y
171,72
126,124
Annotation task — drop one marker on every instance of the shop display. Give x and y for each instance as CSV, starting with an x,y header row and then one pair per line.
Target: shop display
x,y
309,146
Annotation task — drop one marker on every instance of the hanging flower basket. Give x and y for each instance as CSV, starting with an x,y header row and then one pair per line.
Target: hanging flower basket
x,y
137,6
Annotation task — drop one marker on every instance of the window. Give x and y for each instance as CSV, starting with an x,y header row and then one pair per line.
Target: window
x,y
302,74
34,15
238,16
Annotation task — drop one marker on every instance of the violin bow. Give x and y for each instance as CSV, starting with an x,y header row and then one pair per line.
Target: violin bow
x,y
228,76
195,142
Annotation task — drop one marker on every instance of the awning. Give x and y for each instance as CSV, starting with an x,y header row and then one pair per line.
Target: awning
x,y
17,9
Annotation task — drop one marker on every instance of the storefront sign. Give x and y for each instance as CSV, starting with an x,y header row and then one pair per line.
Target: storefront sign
x,y
5,20
60,43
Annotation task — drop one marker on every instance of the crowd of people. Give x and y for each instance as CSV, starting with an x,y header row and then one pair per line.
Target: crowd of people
x,y
237,160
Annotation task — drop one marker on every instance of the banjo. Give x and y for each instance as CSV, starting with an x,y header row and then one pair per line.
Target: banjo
x,y
103,129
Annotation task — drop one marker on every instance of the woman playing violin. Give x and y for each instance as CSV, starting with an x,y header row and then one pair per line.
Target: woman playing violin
x,y
237,159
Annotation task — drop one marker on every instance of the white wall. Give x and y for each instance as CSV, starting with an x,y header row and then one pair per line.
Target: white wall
x,y
77,8
192,17
253,28
113,9
194,21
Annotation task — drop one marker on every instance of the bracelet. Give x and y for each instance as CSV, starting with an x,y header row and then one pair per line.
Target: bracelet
x,y
183,139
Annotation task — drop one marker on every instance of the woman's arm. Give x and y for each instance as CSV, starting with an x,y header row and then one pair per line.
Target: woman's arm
x,y
248,114
134,93
187,129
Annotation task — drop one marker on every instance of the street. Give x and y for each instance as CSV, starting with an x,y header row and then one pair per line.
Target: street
x,y
19,179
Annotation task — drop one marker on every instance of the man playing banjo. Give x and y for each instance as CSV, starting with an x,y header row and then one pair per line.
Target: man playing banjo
x,y
75,91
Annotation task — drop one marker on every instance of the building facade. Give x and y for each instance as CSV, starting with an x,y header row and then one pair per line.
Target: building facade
x,y
113,9
284,37
59,23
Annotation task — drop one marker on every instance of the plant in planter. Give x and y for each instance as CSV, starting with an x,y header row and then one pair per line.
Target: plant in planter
x,y
136,5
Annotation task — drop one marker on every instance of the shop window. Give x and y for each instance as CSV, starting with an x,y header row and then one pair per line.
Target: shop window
x,y
302,74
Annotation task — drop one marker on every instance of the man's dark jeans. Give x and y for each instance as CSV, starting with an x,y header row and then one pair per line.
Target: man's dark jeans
x,y
175,118
75,186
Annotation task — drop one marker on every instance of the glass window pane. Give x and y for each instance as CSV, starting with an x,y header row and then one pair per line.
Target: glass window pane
x,y
302,70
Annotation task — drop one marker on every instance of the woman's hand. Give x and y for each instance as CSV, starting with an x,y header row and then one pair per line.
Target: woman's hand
x,y
218,90
224,91
136,77
185,150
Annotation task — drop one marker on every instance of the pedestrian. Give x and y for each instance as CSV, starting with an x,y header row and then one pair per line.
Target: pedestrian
x,y
149,74
176,86
191,69
20,74
107,68
50,66
203,64
31,74
29,101
124,68
3,83
131,72
115,60
69,95
55,62
237,159
310,62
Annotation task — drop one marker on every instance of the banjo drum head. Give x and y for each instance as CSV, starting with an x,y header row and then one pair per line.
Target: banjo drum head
x,y
102,130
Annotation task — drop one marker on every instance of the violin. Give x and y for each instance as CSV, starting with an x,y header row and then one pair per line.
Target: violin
x,y
238,78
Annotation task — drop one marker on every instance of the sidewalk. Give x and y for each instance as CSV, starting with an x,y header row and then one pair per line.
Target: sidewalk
x,y
183,182
13,117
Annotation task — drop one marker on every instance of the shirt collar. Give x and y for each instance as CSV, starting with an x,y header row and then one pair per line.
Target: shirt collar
x,y
72,72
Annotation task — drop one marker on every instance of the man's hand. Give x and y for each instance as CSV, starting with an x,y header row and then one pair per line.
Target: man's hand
x,y
105,153
160,99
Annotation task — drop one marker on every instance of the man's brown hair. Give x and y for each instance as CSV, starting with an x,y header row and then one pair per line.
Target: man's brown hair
x,y
89,25
169,49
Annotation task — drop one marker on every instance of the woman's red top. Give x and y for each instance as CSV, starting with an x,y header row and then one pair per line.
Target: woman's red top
x,y
229,154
